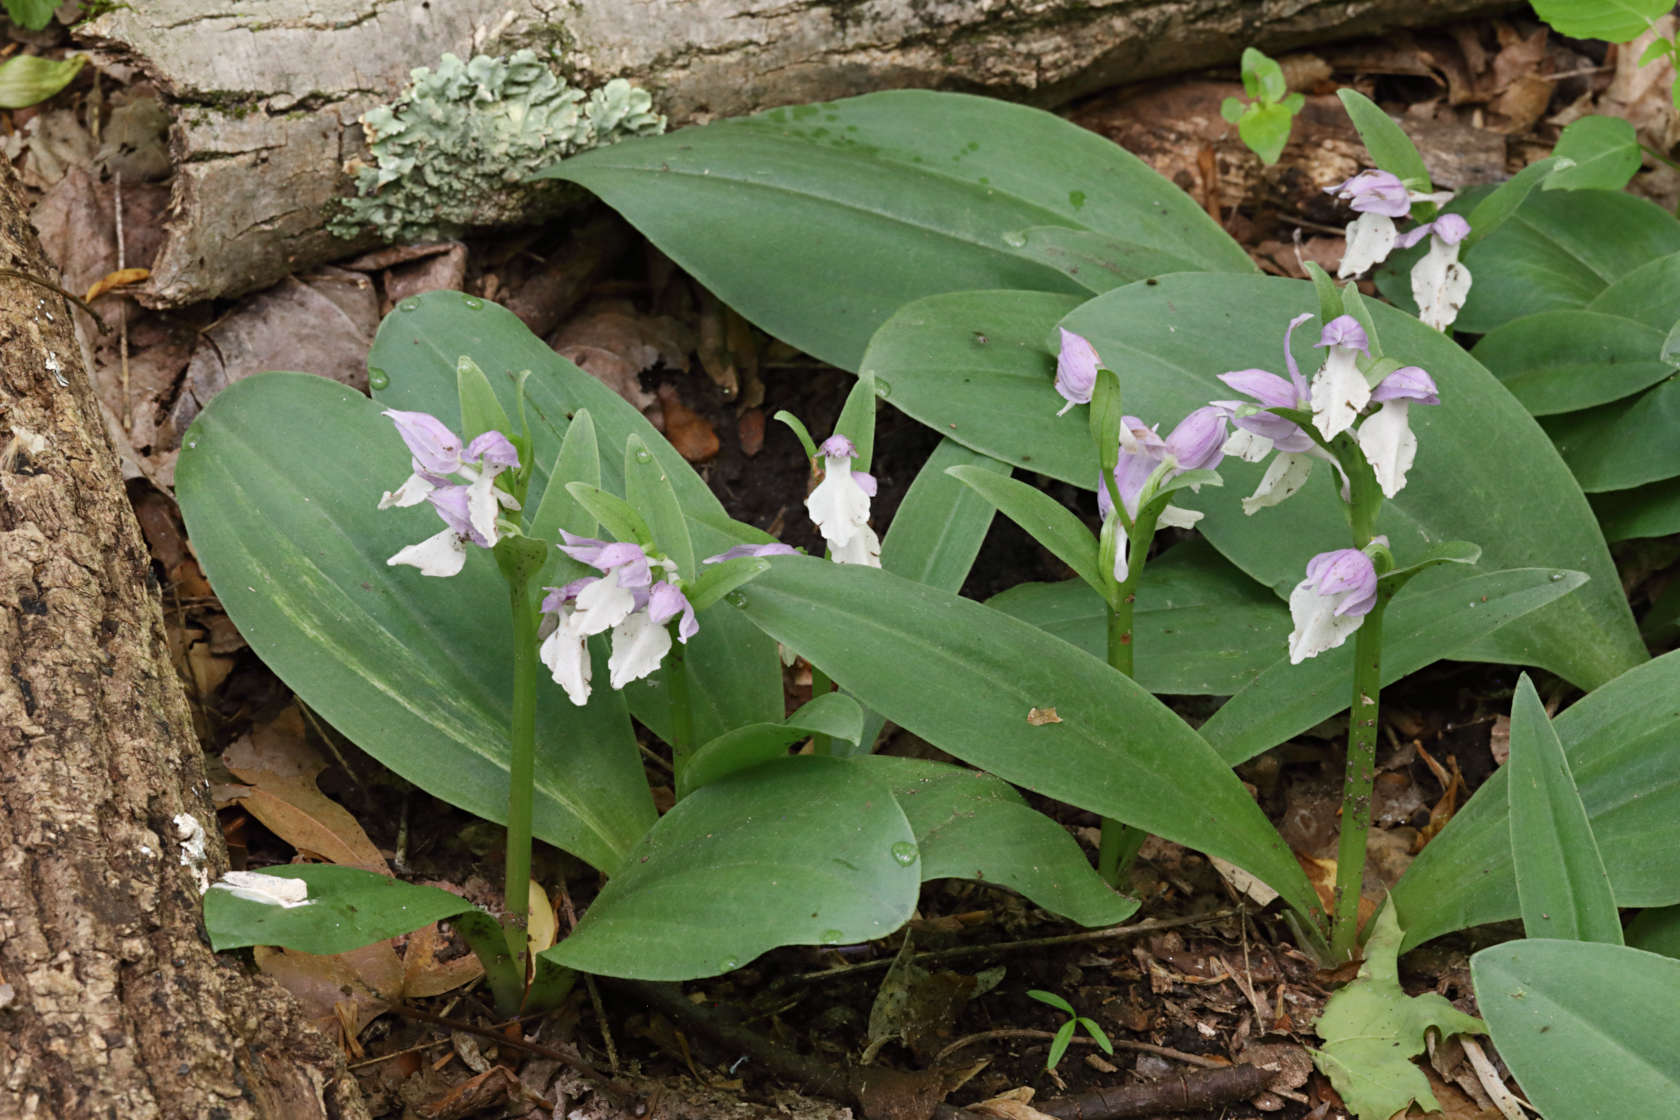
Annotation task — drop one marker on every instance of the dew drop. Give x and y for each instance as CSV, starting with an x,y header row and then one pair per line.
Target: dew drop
x,y
736,599
473,303
831,936
1556,576
883,388
728,964
191,443
409,305
378,379
1015,240
644,456
904,852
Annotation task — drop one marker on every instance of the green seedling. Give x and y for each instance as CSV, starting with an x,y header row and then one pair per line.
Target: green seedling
x,y
1265,121
1064,1033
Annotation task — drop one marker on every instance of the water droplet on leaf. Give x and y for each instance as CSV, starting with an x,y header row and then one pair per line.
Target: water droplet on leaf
x,y
644,456
472,303
409,305
378,379
904,852
883,388
728,964
1556,576
736,599
1015,240
831,936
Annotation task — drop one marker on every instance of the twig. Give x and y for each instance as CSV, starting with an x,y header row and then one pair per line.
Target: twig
x,y
621,1093
51,287
1186,1092
1107,934
122,306
1117,1043
601,1018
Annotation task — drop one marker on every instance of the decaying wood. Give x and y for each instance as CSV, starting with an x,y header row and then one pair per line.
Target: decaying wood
x,y
265,93
111,1004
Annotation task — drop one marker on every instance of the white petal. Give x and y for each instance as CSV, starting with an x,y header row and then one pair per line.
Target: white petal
x,y
566,653
603,605
1440,284
1286,474
1389,445
639,644
1339,391
482,506
838,505
1370,238
1251,447
440,555
1174,517
864,548
412,492
1317,626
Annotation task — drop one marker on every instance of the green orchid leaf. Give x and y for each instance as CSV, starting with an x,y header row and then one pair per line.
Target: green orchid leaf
x,y
1573,358
1562,887
1619,741
1389,146
413,670
1497,207
1045,519
813,849
1097,261
831,714
887,198
345,908
1646,511
579,459
1623,444
1605,152
647,487
1558,1008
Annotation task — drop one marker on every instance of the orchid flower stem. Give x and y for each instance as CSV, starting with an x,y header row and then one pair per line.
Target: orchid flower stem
x,y
1120,842
522,733
1359,781
682,713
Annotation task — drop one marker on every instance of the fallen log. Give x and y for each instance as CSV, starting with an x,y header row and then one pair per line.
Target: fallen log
x,y
265,95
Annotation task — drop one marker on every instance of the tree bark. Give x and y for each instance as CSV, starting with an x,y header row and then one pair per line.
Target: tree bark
x,y
265,93
111,1003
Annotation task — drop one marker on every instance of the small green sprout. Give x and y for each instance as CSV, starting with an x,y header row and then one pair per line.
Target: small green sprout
x,y
1064,1033
1263,123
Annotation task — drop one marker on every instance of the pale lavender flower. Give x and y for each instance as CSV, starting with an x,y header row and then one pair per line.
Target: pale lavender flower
x,y
1327,606
774,548
840,505
1440,282
1339,390
1260,433
1378,197
1076,370
1386,437
469,508
1374,192
1145,459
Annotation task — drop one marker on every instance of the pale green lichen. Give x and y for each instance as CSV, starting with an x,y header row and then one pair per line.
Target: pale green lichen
x,y
457,149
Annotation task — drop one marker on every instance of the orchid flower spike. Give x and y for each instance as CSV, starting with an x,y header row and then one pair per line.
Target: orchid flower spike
x,y
1378,197
1327,606
840,505
1386,437
1440,282
469,507
1147,461
1076,370
628,599
1339,390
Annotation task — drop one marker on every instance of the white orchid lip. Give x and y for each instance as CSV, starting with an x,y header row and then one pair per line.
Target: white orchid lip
x,y
839,506
1331,603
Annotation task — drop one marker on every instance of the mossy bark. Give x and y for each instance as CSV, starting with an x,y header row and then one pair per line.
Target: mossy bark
x,y
265,96
111,1002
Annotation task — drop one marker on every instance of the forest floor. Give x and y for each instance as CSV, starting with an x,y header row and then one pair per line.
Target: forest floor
x,y
1205,977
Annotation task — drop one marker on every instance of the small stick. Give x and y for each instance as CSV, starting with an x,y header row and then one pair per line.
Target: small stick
x,y
620,1092
1117,1043
122,305
51,287
601,1018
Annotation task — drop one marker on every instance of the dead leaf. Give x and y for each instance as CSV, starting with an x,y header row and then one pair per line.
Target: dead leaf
x,y
1038,717
1499,740
749,429
614,343
541,927
1013,1105
121,278
424,975
495,1088
279,769
689,432
371,977
444,271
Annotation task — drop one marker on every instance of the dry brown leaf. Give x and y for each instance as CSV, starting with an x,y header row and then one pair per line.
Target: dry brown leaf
x,y
495,1088
371,977
121,278
614,343
424,975
689,432
542,926
1013,1105
279,769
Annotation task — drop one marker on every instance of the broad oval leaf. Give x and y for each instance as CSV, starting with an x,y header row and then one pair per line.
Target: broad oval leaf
x,y
1605,151
414,670
1430,619
882,199
1620,743
970,825
1562,887
1558,1009
1572,358
1648,511
1645,293
1623,444
1200,627
1097,261
815,850
346,908
736,676
832,714
965,677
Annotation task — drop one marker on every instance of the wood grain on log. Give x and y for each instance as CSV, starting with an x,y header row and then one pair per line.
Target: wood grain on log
x,y
112,1003
265,93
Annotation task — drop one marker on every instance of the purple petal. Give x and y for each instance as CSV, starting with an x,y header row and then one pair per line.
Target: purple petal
x,y
1347,572
837,447
1076,368
631,559
1452,228
1195,444
665,602
1269,389
559,596
492,449
585,550
1408,383
453,505
1344,331
1301,389
434,447
1374,192
775,548
865,482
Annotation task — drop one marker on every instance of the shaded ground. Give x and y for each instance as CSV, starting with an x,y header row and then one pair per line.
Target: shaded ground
x,y
1215,980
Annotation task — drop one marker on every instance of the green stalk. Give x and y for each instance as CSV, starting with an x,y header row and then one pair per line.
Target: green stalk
x,y
1120,842
522,732
1358,782
682,715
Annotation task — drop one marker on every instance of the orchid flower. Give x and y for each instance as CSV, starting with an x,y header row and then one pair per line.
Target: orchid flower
x,y
469,508
1076,370
1386,437
1259,433
840,505
1327,606
628,600
1147,461
1339,390
1378,197
1440,282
